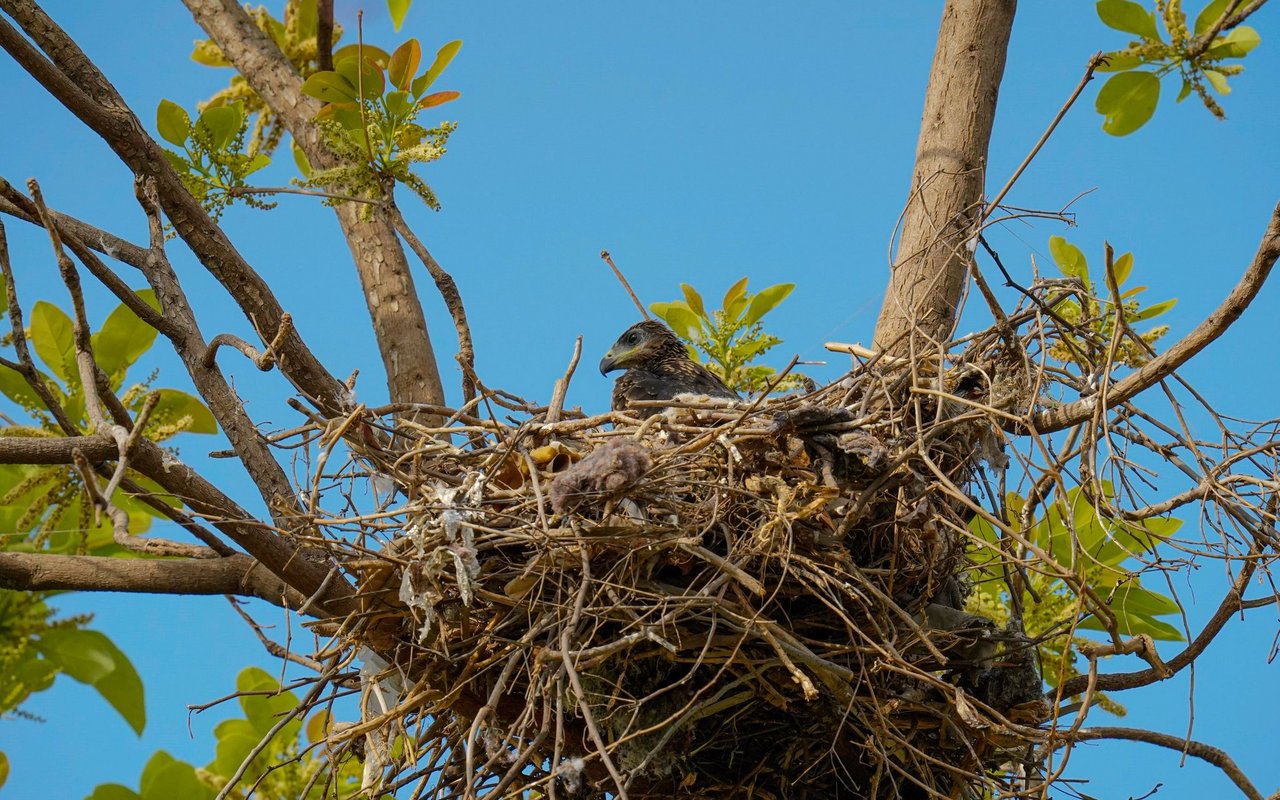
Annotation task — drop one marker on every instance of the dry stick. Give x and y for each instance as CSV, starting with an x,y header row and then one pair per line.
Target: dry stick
x,y
324,34
556,407
272,647
608,259
240,191
1093,64
1200,750
448,292
263,360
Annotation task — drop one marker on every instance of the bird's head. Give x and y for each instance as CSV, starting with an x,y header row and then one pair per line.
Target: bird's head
x,y
643,343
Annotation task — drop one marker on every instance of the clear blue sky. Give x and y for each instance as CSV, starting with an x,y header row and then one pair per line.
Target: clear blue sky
x,y
698,142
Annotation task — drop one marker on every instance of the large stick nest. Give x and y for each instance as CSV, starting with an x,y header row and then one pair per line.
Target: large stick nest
x,y
758,600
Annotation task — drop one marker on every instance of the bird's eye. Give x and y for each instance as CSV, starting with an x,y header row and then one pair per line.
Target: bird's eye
x,y
632,338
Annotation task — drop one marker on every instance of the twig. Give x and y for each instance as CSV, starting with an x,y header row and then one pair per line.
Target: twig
x,y
1200,750
556,407
608,259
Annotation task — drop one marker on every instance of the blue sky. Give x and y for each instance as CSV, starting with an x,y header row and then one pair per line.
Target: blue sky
x,y
698,142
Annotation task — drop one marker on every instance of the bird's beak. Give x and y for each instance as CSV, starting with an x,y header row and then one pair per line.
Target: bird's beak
x,y
608,363
617,358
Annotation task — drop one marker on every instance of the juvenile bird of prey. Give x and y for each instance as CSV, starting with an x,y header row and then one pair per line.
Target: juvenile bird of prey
x,y
658,367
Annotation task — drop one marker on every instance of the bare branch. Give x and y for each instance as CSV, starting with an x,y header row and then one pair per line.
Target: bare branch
x,y
1200,750
236,575
1163,365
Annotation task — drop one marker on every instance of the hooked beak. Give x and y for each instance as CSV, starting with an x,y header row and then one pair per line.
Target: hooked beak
x,y
608,364
616,358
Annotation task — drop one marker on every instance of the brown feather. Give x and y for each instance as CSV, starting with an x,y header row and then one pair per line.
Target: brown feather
x,y
658,368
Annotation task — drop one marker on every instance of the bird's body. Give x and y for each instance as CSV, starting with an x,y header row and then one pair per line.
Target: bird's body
x,y
658,368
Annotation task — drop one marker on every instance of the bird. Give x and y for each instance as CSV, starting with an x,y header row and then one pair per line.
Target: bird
x,y
658,367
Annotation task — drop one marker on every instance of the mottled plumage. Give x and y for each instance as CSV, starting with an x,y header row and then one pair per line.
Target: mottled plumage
x,y
658,368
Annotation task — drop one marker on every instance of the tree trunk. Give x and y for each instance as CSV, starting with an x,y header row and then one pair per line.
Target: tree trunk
x,y
946,199
394,307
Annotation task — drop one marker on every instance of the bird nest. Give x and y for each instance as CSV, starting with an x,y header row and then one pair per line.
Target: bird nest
x,y
757,599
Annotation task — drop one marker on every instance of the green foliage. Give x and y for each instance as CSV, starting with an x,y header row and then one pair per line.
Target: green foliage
x,y
1092,546
1128,99
732,336
214,162
371,119
1097,314
286,769
45,508
296,36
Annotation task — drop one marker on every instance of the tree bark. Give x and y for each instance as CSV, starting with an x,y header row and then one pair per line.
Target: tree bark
x,y
946,199
398,321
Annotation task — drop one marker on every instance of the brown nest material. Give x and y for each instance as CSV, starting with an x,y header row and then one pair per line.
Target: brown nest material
x,y
748,600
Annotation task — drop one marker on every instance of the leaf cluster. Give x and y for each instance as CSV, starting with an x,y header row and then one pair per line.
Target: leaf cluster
x,y
1101,328
214,161
1129,98
732,337
371,119
291,767
45,508
297,37
1079,536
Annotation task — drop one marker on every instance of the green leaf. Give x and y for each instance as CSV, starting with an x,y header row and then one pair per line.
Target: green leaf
x,y
236,738
172,122
1128,17
305,19
1218,81
1127,100
365,75
53,339
329,87
221,124
1121,268
693,300
1069,258
93,659
404,64
680,318
735,292
398,104
123,338
257,162
398,9
264,711
166,778
765,301
1184,92
16,388
4,768
1210,15
300,159
379,56
437,99
113,791
1236,44
443,56
1154,310
208,54
174,405
1134,624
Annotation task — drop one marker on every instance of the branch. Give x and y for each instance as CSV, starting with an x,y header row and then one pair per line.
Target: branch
x,y
236,575
1200,750
394,307
72,78
945,205
1160,367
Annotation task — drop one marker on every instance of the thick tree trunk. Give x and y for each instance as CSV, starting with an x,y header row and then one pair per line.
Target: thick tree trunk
x,y
945,203
394,307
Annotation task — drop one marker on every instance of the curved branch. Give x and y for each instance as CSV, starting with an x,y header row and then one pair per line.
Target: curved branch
x,y
1200,750
236,575
1163,365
